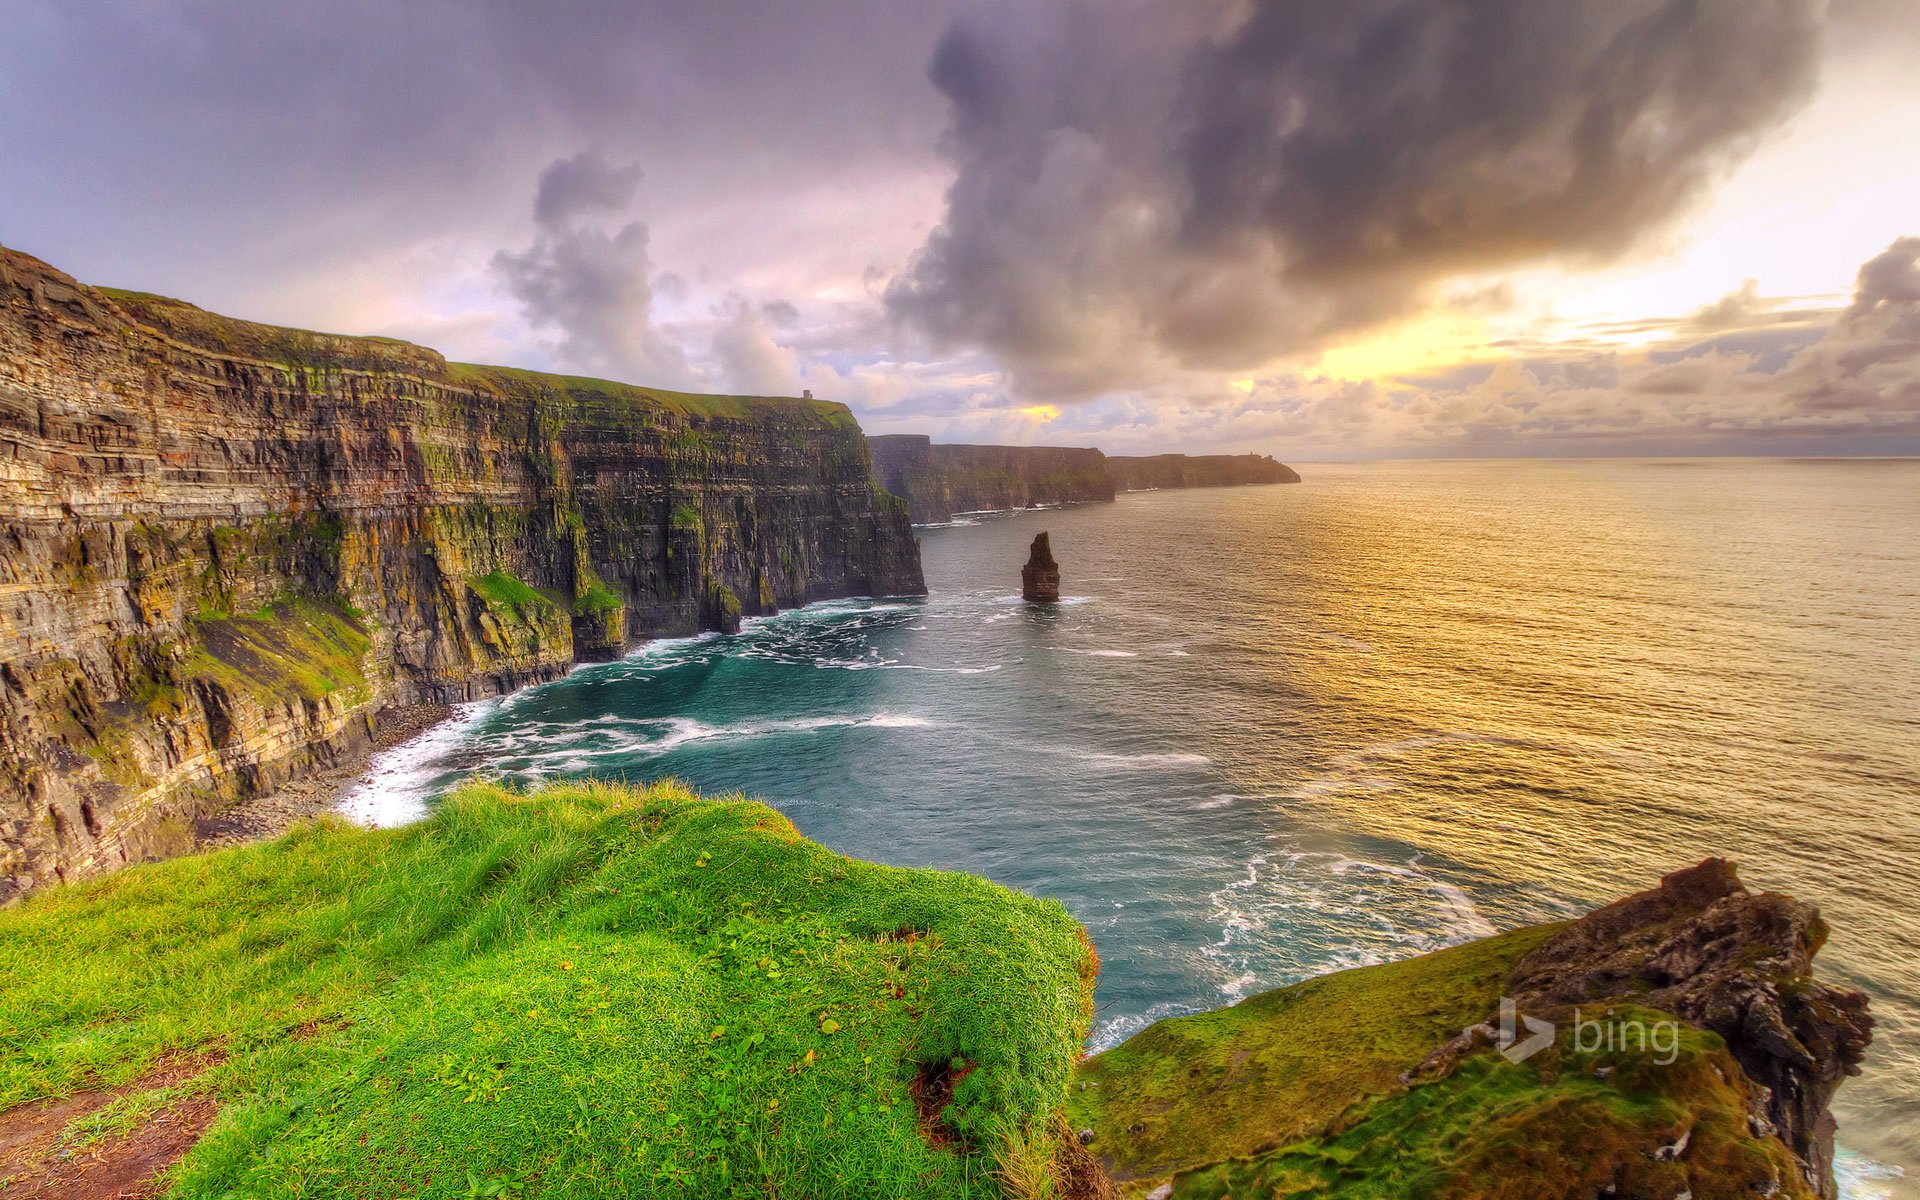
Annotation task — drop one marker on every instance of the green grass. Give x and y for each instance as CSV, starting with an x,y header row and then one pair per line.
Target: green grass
x,y
1298,1092
310,355
505,588
1198,1089
1552,1126
591,991
309,647
597,598
607,397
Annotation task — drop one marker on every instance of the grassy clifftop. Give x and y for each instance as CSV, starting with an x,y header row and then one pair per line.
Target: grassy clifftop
x,y
586,992
313,351
1319,1090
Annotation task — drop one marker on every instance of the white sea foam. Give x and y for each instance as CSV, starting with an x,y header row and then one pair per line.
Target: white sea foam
x,y
1144,762
396,784
660,647
1105,653
1861,1178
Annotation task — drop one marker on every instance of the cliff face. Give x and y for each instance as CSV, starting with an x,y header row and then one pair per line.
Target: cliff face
x,y
1136,474
227,546
938,481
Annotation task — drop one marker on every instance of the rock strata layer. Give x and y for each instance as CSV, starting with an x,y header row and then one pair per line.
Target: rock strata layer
x,y
1040,578
228,546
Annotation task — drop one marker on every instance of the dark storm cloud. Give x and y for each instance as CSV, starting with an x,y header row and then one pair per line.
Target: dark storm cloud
x,y
1197,189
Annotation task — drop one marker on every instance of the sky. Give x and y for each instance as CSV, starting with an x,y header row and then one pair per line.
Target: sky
x,y
1321,229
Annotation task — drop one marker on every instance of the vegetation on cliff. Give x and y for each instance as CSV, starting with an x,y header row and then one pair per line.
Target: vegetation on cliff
x,y
588,991
231,546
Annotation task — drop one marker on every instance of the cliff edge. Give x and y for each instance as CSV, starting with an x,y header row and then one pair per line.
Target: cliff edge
x,y
229,546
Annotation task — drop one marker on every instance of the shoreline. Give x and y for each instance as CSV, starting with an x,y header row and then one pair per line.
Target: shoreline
x,y
271,814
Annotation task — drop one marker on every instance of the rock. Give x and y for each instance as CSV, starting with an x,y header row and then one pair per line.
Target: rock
x,y
225,548
1040,578
1738,963
1085,1136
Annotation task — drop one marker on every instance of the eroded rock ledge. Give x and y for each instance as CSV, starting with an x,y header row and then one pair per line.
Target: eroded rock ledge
x,y
227,546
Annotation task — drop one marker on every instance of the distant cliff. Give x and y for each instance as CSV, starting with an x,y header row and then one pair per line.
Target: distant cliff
x,y
938,481
228,546
1138,474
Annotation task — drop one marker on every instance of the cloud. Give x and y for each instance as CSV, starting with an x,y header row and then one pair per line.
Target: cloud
x,y
1868,367
585,183
1845,381
751,363
1141,190
1734,310
592,284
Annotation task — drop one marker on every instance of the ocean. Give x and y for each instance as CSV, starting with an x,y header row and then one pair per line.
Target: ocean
x,y
1276,731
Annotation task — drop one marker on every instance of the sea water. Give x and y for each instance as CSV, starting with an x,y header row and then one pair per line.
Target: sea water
x,y
1277,731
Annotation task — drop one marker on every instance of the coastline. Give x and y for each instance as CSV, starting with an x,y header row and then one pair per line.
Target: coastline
x,y
259,818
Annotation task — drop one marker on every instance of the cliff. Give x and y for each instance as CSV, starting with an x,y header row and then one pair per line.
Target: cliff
x,y
1673,1044
229,546
1134,474
938,481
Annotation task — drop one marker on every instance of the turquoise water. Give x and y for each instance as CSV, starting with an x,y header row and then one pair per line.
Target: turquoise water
x,y
1281,730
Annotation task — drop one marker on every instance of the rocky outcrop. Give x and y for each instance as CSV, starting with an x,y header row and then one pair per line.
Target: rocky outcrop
x,y
939,481
1139,474
227,547
1736,963
1040,578
1672,1044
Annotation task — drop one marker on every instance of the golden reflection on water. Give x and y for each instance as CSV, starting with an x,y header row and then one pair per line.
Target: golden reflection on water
x,y
1586,674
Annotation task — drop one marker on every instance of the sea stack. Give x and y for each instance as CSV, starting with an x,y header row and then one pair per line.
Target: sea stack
x,y
1040,578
